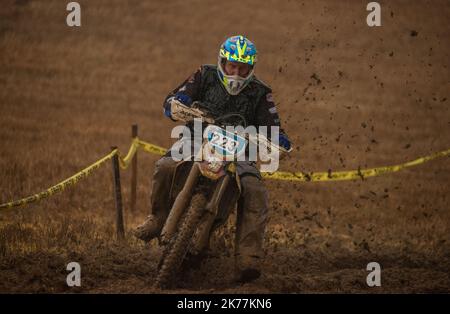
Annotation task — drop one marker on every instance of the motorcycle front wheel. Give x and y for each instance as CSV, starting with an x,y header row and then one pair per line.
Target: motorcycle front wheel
x,y
175,251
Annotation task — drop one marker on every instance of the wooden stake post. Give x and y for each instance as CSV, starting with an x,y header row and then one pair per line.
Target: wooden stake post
x,y
118,196
134,134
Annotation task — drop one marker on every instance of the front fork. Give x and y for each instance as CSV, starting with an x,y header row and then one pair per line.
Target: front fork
x,y
181,202
201,236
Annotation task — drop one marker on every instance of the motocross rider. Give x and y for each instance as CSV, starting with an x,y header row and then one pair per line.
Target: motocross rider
x,y
229,87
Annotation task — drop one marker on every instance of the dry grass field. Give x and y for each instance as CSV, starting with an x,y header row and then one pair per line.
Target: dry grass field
x,y
349,96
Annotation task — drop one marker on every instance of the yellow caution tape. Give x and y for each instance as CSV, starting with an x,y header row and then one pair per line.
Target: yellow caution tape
x,y
279,175
350,175
60,186
151,148
125,162
322,176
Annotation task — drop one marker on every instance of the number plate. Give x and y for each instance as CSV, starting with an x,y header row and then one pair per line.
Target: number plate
x,y
226,144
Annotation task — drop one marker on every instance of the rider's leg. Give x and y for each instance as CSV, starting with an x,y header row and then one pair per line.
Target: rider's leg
x,y
160,202
250,227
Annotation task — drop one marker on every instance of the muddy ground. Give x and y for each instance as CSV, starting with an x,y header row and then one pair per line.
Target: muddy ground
x,y
349,96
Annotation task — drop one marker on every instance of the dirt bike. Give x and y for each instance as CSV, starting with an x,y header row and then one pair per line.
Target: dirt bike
x,y
210,189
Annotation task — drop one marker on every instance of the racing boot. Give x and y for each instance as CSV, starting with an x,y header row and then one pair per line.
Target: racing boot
x,y
151,228
247,269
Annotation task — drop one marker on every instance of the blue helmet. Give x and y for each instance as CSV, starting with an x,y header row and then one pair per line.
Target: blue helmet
x,y
236,49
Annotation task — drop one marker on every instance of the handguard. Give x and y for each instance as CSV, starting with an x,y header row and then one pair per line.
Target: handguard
x,y
186,114
262,140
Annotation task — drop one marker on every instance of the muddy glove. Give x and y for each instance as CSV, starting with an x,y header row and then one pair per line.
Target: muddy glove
x,y
182,98
284,142
167,110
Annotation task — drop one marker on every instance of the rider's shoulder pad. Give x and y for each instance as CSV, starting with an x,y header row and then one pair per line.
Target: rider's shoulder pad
x,y
208,67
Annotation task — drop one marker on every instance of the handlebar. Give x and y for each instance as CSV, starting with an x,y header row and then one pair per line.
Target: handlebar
x,y
198,110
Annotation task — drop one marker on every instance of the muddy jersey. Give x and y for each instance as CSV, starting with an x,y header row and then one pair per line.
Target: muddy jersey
x,y
254,102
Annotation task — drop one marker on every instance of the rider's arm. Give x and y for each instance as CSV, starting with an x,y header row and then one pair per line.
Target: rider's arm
x,y
266,112
187,92
267,115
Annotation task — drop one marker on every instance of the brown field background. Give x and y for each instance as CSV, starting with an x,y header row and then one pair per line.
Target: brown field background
x,y
349,96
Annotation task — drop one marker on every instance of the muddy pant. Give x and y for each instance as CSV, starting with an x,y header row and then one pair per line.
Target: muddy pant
x,y
251,212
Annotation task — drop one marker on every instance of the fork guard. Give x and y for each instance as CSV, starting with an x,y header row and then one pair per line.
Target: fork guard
x,y
181,202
